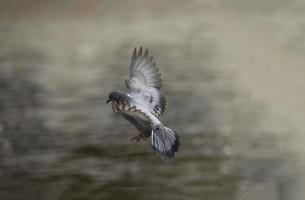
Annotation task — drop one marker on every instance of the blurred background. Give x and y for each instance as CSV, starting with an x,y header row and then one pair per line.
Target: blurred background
x,y
233,74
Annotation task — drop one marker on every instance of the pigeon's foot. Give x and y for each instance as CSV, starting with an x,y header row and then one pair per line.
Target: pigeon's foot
x,y
139,137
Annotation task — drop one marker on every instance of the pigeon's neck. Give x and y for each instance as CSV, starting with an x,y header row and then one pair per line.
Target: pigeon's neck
x,y
119,96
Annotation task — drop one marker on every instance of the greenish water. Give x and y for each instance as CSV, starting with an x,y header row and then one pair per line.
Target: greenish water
x,y
230,95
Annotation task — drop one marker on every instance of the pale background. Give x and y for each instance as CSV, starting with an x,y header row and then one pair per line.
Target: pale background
x,y
234,78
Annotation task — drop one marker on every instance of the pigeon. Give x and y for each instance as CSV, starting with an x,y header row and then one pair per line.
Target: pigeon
x,y
143,104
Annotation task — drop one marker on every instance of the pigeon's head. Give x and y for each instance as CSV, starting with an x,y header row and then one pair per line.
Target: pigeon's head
x,y
116,96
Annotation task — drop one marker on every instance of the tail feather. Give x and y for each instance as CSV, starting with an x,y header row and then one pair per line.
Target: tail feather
x,y
165,142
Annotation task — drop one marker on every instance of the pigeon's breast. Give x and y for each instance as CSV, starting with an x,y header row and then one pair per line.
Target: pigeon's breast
x,y
123,106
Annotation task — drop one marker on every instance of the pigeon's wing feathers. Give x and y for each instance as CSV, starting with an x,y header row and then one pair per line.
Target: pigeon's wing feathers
x,y
144,70
145,82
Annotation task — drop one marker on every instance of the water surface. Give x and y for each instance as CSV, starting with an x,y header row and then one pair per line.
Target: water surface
x,y
234,81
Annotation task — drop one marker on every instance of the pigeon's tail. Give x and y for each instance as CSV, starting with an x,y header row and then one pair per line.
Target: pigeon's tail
x,y
165,142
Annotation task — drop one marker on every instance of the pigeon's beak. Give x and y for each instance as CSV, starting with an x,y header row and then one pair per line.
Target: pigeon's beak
x,y
108,100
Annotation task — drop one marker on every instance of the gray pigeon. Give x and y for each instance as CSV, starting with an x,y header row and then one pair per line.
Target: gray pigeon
x,y
143,104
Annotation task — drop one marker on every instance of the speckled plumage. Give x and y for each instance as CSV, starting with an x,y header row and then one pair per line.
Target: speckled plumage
x,y
143,104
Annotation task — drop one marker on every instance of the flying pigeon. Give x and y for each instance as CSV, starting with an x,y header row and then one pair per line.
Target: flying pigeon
x,y
143,104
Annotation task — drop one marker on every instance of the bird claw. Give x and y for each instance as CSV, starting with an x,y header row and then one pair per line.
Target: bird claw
x,y
139,137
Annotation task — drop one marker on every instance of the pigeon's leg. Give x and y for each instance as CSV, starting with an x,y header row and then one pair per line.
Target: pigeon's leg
x,y
139,137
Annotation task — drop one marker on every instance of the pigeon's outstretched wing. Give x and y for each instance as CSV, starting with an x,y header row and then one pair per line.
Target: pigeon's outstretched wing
x,y
145,82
